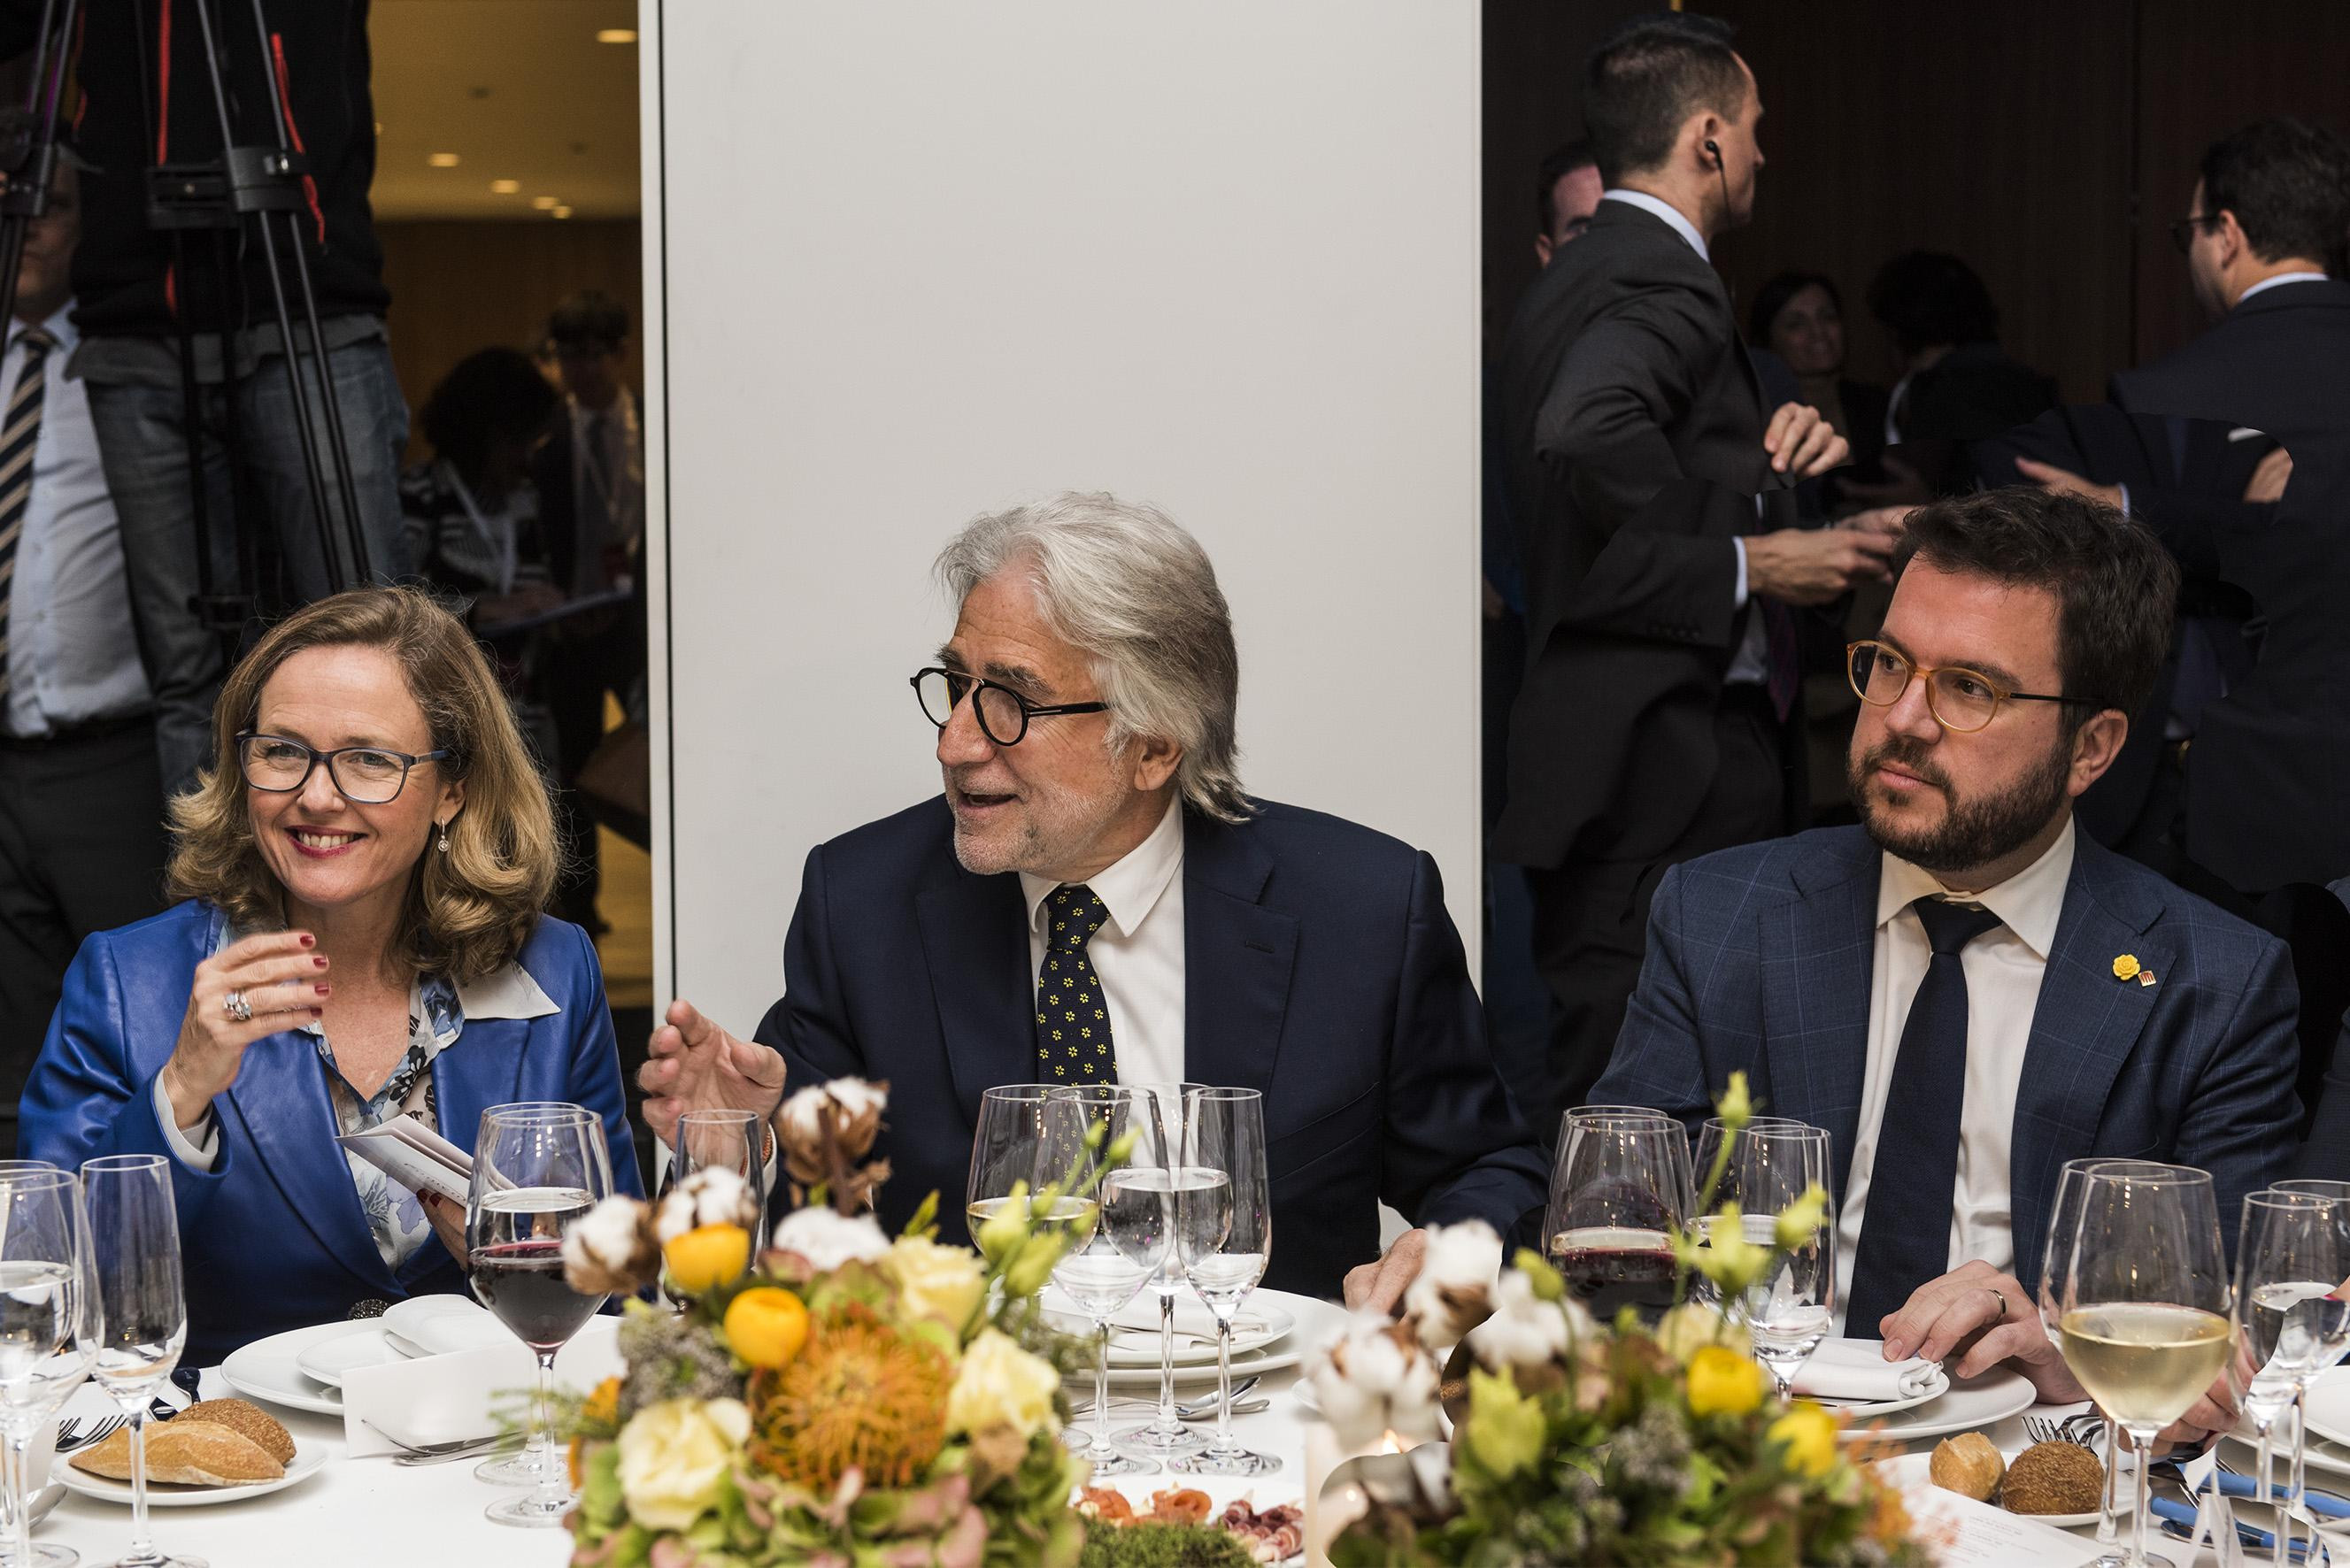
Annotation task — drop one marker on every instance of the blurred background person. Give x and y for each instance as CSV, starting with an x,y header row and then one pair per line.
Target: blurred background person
x,y
1958,386
81,795
1799,317
470,509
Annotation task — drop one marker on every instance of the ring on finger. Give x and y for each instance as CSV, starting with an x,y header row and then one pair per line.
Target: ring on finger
x,y
237,1007
2002,1296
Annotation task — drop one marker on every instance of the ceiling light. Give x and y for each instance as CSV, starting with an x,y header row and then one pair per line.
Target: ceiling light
x,y
545,203
616,35
504,187
442,160
560,211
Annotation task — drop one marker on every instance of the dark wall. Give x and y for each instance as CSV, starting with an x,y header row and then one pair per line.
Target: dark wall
x,y
2049,145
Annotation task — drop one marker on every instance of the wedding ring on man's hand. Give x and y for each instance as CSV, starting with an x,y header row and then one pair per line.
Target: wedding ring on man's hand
x,y
236,1007
2002,1294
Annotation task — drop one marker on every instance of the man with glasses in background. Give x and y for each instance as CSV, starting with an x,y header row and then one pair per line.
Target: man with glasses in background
x,y
1095,899
1963,990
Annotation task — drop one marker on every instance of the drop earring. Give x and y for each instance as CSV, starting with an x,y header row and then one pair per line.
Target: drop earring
x,y
444,838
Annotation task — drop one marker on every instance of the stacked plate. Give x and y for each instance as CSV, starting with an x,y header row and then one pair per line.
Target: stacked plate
x,y
303,1368
1272,1330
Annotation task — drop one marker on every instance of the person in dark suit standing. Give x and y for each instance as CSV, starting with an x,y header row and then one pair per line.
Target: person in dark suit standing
x,y
1084,710
2236,450
1964,990
1657,717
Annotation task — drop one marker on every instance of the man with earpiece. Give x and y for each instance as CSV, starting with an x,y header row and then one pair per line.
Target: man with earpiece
x,y
1661,714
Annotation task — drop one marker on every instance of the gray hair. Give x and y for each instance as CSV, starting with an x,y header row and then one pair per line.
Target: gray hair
x,y
1125,584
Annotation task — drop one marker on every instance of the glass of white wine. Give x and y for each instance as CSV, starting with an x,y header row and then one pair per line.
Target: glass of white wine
x,y
2143,1311
2056,1260
2292,1254
1004,1149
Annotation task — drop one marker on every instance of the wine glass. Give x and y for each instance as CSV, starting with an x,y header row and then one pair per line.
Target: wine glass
x,y
2143,1311
139,1312
1004,1151
536,1169
1224,1232
2293,1253
1621,1183
2339,1192
1165,1433
1105,1267
2056,1259
726,1139
45,1327
1771,1163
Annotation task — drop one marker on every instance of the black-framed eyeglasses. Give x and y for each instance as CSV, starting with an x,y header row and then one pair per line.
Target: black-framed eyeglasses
x,y
369,775
1003,714
1962,700
2182,230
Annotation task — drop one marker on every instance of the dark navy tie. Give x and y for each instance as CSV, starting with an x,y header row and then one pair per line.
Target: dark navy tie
x,y
1073,1035
1905,1231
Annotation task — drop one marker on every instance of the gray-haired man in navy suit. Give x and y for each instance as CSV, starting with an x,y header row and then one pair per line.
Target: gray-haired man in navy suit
x,y
1964,990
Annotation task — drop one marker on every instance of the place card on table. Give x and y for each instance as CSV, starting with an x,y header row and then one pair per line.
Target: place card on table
x,y
461,1397
1963,1534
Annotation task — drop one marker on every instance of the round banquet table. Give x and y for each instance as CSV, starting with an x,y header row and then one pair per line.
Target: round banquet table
x,y
373,1514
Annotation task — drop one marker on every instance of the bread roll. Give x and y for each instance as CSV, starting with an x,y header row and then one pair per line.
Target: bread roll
x,y
184,1452
245,1415
1968,1465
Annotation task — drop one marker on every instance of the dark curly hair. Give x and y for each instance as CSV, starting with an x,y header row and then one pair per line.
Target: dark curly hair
x,y
2289,185
492,394
1928,298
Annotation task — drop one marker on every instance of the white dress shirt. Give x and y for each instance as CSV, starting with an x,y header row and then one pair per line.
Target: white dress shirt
x,y
1750,663
73,653
608,486
2003,969
2278,282
1137,955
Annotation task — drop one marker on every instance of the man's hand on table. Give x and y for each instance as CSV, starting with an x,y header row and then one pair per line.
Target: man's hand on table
x,y
1381,1285
1981,1317
694,1065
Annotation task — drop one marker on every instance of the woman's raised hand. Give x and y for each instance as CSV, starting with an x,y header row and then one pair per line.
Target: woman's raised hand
x,y
277,976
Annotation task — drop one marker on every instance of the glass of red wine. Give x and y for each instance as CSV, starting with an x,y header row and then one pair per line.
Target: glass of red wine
x,y
1620,1186
536,1167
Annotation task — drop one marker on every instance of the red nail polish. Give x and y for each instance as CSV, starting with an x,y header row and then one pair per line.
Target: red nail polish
x,y
320,961
309,940
317,1012
322,990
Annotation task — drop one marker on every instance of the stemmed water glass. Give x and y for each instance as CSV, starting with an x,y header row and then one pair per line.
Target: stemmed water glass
x,y
139,1311
1106,1266
725,1139
2056,1260
2292,1254
1621,1184
1771,1162
2143,1310
538,1168
1224,1232
46,1326
1165,1433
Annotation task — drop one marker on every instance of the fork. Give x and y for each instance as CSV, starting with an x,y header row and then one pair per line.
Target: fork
x,y
71,1436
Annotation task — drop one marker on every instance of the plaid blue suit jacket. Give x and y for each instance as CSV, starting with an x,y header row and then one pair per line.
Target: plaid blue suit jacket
x,y
1760,960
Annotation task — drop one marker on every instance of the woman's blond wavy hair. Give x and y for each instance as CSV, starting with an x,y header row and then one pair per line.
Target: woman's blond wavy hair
x,y
470,910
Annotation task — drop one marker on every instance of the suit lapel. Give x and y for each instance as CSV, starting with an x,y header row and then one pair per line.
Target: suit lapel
x,y
2083,1028
975,941
280,1100
1238,958
1817,963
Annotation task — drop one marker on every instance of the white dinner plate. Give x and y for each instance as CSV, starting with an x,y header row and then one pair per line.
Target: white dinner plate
x,y
1975,1402
1134,1333
308,1456
1870,1409
2322,1455
328,1361
2327,1405
271,1368
1312,1323
1909,1470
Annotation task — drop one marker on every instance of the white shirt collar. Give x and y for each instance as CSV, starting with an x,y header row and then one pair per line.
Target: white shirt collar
x,y
2281,278
510,993
59,325
1660,208
2029,903
1130,887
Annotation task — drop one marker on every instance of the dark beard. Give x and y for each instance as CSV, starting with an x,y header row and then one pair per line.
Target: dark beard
x,y
1974,832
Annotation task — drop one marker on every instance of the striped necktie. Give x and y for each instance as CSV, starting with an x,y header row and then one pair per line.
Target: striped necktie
x,y
18,437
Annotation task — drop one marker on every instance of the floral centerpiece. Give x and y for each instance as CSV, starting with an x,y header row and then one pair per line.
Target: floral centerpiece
x,y
847,1398
1590,1443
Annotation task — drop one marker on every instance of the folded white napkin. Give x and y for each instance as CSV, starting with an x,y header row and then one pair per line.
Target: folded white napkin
x,y
1857,1369
449,1398
444,1326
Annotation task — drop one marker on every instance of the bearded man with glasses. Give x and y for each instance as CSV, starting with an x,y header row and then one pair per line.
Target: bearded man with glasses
x,y
1964,990
1094,899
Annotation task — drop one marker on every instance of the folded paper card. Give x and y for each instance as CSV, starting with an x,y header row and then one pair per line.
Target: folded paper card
x,y
414,1156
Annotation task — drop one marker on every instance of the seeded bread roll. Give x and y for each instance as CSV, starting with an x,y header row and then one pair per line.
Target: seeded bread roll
x,y
2054,1478
243,1416
1968,1465
181,1452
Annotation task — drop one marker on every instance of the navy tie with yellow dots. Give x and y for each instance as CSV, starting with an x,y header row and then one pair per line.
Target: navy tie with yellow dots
x,y
1072,1042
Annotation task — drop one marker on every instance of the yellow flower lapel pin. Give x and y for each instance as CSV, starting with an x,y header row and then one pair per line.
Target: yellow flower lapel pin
x,y
2126,967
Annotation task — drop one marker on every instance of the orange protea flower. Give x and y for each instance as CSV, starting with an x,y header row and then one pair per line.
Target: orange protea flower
x,y
858,1393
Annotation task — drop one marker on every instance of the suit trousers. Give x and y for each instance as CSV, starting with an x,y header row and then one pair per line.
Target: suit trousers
x,y
82,850
1591,915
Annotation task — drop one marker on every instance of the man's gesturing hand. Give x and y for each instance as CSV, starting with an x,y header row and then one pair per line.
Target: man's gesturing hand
x,y
1812,565
694,1065
1802,443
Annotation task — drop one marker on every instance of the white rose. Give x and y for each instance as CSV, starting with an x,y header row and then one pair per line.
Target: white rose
x,y
711,1196
941,1283
1375,1377
999,1384
675,1457
828,1240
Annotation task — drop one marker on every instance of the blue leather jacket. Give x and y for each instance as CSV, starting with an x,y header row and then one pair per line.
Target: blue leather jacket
x,y
273,1236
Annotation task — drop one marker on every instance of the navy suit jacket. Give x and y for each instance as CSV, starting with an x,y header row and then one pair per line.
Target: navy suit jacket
x,y
273,1236
1320,967
1760,960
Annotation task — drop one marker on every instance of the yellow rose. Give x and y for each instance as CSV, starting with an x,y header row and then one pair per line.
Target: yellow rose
x,y
999,1384
766,1325
1809,1434
706,1257
934,1282
1693,1325
1723,1382
675,1457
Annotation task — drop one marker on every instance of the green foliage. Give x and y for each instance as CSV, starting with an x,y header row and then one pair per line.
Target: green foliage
x,y
1156,1545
